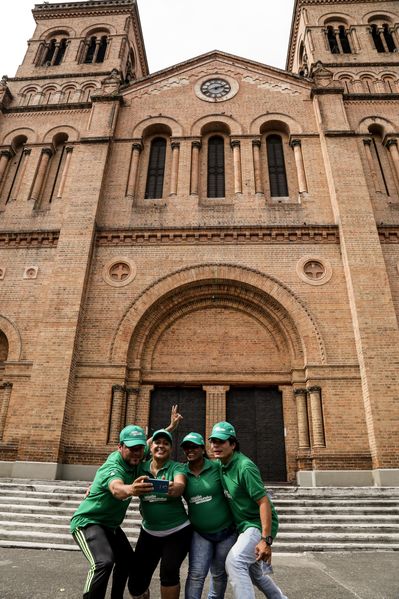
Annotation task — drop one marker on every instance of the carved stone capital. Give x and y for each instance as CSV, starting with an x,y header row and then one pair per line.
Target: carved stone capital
x,y
391,142
69,149
196,144
300,392
256,143
314,389
175,145
132,390
47,151
6,385
295,143
137,145
235,143
116,388
367,141
7,153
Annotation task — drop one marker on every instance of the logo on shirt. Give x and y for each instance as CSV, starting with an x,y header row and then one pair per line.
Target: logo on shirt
x,y
200,499
227,494
153,499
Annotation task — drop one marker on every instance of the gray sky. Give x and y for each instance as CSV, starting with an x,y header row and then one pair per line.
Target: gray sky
x,y
176,30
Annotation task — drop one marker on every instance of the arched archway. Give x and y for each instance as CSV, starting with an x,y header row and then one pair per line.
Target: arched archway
x,y
220,340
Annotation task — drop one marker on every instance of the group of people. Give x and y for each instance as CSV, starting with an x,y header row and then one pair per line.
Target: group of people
x,y
227,529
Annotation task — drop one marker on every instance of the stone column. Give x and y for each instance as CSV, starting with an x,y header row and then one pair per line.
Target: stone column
x,y
215,405
41,174
175,167
20,174
195,149
235,144
380,31
132,394
354,42
5,394
317,417
257,168
98,42
302,418
68,157
117,412
370,162
134,164
338,40
392,146
5,156
300,169
56,50
143,406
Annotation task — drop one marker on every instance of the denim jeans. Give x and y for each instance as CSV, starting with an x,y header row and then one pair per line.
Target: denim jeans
x,y
243,569
207,555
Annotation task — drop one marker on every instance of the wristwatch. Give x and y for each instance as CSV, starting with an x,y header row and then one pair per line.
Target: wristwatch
x,y
268,540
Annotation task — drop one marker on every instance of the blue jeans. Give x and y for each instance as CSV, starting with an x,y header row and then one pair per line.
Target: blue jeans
x,y
243,569
207,555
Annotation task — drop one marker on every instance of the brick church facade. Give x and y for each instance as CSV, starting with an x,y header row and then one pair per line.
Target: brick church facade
x,y
221,234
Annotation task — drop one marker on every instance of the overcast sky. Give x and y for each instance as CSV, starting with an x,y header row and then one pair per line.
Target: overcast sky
x,y
176,30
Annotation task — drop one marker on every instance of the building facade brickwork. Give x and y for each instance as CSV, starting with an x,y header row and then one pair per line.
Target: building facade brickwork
x,y
220,234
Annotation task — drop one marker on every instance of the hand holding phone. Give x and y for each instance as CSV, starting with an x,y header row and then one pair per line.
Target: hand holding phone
x,y
160,486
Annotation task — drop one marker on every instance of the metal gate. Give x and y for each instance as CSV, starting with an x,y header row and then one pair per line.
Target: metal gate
x,y
257,415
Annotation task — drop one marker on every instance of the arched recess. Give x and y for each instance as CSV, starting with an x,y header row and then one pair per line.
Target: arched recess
x,y
213,121
57,31
98,27
30,135
261,297
275,120
372,121
155,122
10,330
70,132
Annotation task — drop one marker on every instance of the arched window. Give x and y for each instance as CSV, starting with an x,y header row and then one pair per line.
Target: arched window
x,y
277,172
96,49
343,38
102,49
156,169
338,40
216,173
3,352
54,51
15,168
55,169
382,38
332,40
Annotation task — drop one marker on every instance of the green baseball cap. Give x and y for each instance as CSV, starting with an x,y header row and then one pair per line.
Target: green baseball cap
x,y
132,435
223,430
162,432
195,438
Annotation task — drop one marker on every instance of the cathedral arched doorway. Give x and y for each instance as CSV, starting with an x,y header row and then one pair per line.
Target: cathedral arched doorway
x,y
221,348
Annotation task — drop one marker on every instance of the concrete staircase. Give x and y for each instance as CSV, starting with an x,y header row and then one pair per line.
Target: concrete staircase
x,y
36,514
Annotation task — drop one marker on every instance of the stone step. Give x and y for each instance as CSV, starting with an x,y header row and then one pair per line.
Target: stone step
x,y
37,513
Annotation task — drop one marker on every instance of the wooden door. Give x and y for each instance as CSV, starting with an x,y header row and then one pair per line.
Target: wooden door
x,y
257,415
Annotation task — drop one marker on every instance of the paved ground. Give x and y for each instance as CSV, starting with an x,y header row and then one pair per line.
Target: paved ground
x,y
35,574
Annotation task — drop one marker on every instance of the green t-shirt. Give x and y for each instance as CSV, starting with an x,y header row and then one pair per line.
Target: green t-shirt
x,y
243,487
100,506
160,511
208,509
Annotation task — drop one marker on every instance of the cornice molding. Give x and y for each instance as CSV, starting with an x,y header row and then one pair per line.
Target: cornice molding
x,y
26,239
311,234
78,9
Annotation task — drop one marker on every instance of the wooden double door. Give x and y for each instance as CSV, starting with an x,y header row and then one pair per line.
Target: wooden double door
x,y
255,412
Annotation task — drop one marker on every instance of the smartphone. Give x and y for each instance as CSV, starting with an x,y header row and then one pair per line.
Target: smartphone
x,y
160,486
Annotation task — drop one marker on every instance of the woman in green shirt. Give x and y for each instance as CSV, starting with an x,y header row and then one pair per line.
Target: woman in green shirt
x,y
165,533
214,531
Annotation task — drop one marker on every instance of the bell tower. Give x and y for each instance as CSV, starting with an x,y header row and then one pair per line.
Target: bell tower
x,y
347,37
75,46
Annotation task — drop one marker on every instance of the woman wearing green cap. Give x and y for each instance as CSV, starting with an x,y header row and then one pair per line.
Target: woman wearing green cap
x,y
165,533
214,530
254,515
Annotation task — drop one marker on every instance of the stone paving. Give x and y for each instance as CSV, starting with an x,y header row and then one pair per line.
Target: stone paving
x,y
49,574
